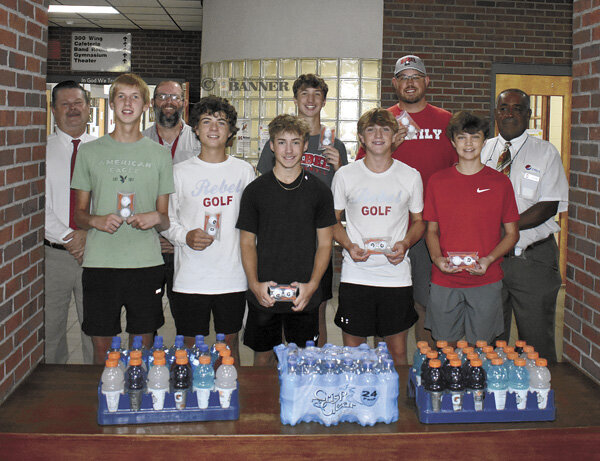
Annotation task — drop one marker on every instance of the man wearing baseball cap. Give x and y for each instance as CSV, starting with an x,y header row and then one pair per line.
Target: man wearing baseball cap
x,y
424,148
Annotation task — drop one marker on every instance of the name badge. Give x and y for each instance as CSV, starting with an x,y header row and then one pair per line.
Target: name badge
x,y
532,177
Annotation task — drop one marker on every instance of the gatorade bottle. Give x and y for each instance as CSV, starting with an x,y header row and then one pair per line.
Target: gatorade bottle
x,y
466,367
181,379
497,382
476,383
530,361
440,345
158,380
222,353
466,351
444,355
418,359
509,363
460,345
526,350
226,381
429,356
114,355
488,360
113,383
519,345
506,350
433,382
135,382
518,382
178,345
484,351
180,353
214,350
138,354
456,384
446,366
479,344
500,344
539,382
157,346
204,380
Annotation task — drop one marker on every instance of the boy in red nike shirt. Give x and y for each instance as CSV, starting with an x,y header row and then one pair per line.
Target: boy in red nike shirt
x,y
466,207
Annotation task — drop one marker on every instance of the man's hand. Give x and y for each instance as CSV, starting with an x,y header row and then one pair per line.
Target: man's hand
x,y
144,221
398,252
305,292
261,291
198,240
333,157
75,244
358,254
443,264
165,246
400,136
106,223
481,266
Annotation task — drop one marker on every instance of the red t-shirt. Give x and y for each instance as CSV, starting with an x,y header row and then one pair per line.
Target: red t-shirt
x,y
470,210
430,149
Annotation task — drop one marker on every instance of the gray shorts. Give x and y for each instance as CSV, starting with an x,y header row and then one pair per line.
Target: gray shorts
x,y
420,266
475,313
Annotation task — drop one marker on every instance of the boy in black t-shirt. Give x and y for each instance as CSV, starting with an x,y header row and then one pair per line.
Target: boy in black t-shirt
x,y
286,221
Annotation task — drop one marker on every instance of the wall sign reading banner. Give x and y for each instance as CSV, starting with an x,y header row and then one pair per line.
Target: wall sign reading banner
x,y
93,51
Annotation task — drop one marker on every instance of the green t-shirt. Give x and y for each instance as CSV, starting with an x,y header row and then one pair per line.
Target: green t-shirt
x,y
106,167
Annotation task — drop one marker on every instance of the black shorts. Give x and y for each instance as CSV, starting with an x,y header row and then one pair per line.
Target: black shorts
x,y
105,291
327,283
375,311
192,312
263,329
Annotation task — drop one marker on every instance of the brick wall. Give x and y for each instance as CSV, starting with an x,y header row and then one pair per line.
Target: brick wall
x,y
154,54
582,300
460,40
23,31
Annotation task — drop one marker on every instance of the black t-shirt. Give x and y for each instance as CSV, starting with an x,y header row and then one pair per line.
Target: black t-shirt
x,y
285,223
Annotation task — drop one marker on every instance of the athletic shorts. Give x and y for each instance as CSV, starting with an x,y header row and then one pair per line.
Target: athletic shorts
x,y
420,266
192,312
474,312
327,283
263,329
106,290
366,310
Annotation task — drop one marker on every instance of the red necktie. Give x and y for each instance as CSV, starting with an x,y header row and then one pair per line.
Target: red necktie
x,y
72,224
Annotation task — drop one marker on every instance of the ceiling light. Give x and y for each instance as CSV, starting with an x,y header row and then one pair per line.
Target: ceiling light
x,y
82,9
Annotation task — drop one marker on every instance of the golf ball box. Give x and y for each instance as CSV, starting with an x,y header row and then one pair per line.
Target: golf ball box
x,y
125,204
463,260
283,292
378,245
405,120
212,225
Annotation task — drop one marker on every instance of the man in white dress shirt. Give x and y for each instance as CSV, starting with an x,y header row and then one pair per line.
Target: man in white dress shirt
x,y
63,242
531,275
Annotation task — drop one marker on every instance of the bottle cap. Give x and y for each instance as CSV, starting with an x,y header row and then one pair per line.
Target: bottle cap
x,y
533,355
527,349
497,361
440,344
512,356
181,360
220,346
461,344
520,362
204,359
480,343
160,360
508,349
476,362
422,343
455,363
224,352
424,349
432,355
452,356
487,349
520,343
501,343
134,354
435,363
541,363
135,361
472,355
228,360
111,363
180,353
114,355
447,350
491,355
468,350
158,354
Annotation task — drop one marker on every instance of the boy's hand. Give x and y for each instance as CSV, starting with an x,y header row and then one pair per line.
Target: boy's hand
x,y
333,157
398,252
358,254
165,245
443,264
261,291
481,266
305,292
198,240
144,221
75,243
107,223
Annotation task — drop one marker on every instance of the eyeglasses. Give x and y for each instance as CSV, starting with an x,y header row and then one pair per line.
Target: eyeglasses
x,y
409,78
172,97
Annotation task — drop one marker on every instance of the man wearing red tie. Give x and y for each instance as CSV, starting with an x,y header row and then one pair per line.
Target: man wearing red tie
x,y
64,242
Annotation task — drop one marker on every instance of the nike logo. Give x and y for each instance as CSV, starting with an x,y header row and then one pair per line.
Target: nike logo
x,y
479,191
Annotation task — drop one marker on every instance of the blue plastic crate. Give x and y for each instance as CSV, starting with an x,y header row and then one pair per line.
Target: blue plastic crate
x,y
169,414
468,414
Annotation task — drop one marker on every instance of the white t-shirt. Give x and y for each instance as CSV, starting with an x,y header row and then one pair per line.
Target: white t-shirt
x,y
208,188
377,205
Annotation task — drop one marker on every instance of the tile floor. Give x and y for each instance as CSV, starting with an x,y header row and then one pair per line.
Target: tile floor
x,y
334,333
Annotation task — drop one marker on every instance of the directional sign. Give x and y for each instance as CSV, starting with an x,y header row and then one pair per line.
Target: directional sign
x,y
92,51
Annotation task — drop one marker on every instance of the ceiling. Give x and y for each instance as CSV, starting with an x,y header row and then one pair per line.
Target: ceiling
x,y
185,15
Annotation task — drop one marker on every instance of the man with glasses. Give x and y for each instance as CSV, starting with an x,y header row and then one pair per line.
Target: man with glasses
x,y
171,131
425,148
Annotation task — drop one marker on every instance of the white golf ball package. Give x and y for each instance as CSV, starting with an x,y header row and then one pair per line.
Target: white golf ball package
x,y
326,138
378,245
463,260
283,292
212,225
404,119
125,204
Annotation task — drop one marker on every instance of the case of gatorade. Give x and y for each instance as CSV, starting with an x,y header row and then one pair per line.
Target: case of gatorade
x,y
468,414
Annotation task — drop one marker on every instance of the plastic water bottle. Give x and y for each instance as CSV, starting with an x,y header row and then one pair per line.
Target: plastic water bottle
x,y
497,382
181,379
177,345
476,382
135,382
388,381
455,383
194,354
204,380
115,346
291,408
214,350
113,383
328,376
539,382
226,381
433,382
157,346
158,380
518,383
367,380
519,345
418,359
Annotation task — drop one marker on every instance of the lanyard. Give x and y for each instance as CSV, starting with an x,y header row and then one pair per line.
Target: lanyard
x,y
174,145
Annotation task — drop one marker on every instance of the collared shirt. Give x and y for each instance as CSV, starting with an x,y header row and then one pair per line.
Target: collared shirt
x,y
537,175
188,144
58,181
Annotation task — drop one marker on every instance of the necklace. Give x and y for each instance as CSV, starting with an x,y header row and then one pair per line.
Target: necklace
x,y
289,188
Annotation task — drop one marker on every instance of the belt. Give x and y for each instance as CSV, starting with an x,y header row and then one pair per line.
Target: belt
x,y
58,246
532,246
